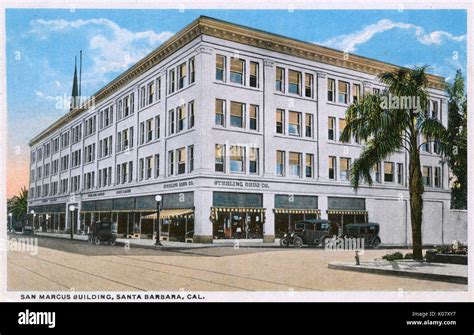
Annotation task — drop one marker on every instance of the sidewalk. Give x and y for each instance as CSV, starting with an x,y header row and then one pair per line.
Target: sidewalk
x,y
150,243
452,273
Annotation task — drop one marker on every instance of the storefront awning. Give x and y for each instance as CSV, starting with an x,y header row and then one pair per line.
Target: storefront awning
x,y
168,213
347,212
216,210
296,211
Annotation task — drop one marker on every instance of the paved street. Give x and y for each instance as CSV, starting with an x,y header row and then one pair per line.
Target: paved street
x,y
62,265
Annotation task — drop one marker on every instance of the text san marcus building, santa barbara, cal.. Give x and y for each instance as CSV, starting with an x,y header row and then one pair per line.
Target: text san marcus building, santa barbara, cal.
x,y
238,130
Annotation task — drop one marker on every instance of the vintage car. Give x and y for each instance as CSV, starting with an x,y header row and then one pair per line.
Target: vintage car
x,y
28,230
103,231
368,231
309,232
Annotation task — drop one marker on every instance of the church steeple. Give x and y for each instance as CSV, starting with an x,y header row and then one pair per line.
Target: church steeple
x,y
75,89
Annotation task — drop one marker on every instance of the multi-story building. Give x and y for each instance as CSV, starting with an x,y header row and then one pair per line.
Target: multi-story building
x,y
238,130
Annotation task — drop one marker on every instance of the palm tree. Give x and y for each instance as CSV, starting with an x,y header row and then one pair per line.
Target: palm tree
x,y
19,204
386,130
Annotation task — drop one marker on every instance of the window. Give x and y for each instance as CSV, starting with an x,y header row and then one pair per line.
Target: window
x,y
219,157
237,114
437,177
90,126
149,130
331,90
295,164
46,170
64,163
309,165
76,158
309,125
158,88
191,158
253,117
294,82
308,85
192,70
294,123
237,71
148,167
54,188
181,75
237,155
65,140
388,172
171,126
151,92
427,176
172,81
220,112
142,101
77,133
157,165
377,173
253,74
170,163
425,143
181,111
344,164
64,183
376,91
435,111
220,67
400,173
181,160
342,125
40,154
157,127
89,153
343,89
105,177
55,166
39,173
45,190
55,146
253,160
191,114
142,132
332,167
89,180
331,128
355,93
280,121
76,183
280,163
280,80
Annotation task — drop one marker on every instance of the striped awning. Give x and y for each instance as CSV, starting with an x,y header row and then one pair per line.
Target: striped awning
x,y
297,211
216,210
169,213
347,212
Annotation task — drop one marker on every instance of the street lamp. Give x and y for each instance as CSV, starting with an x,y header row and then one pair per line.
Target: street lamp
x,y
10,215
33,218
158,199
72,208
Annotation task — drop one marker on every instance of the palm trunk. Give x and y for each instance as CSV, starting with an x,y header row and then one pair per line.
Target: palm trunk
x,y
416,202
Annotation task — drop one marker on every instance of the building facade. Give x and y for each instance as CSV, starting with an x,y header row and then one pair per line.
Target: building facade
x,y
238,131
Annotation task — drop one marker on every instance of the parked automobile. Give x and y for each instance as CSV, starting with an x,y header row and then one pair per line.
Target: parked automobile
x,y
103,231
368,231
309,232
28,230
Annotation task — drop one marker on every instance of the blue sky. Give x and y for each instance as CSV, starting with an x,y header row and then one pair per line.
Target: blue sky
x,y
41,45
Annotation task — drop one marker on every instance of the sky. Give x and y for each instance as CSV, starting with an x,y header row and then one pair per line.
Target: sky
x,y
42,44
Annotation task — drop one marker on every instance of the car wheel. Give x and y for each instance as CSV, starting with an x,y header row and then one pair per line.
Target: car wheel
x,y
376,242
112,241
297,242
284,242
97,240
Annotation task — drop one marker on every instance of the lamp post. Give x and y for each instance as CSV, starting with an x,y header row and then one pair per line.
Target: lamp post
x,y
72,208
32,212
158,199
10,215
47,222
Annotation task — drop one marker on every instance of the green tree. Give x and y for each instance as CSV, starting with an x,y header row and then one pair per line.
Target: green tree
x,y
19,204
457,135
389,128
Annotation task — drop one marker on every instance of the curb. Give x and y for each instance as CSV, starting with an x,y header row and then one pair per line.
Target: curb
x,y
408,274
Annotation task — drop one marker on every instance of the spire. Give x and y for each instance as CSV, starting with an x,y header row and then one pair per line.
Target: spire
x,y
75,89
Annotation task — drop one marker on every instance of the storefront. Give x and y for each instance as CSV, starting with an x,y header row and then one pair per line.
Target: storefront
x,y
50,218
136,216
237,215
342,210
292,208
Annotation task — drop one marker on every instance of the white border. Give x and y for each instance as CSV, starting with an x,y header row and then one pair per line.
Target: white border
x,y
339,296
